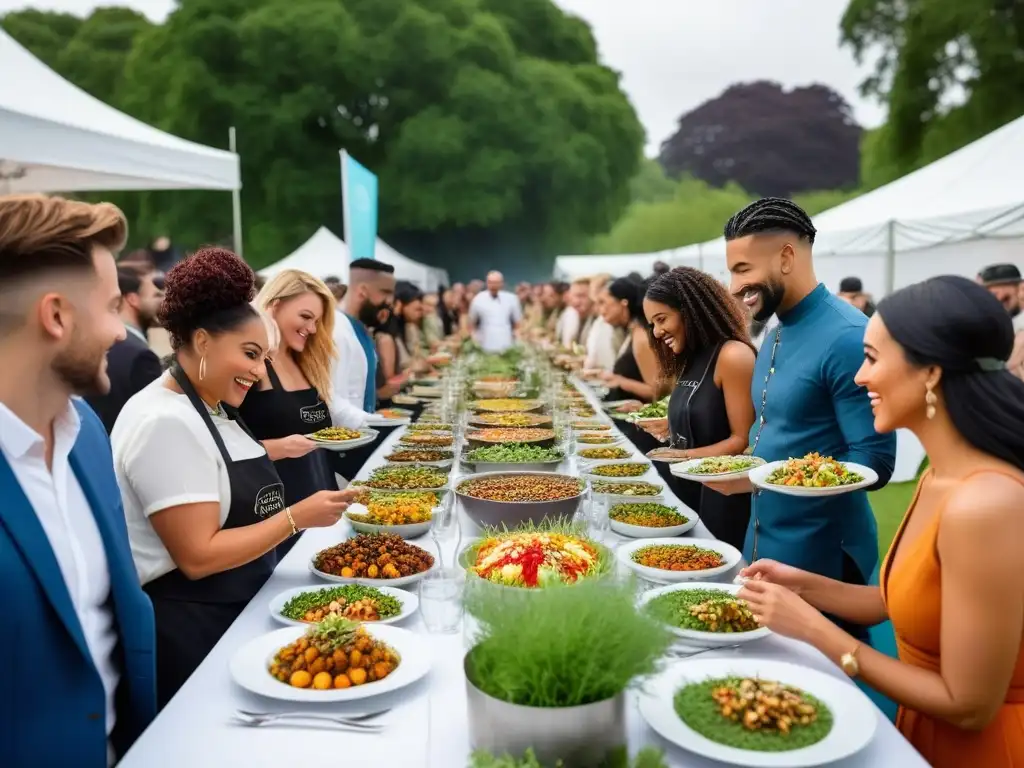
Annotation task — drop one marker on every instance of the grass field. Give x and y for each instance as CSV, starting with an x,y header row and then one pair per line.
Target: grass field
x,y
889,505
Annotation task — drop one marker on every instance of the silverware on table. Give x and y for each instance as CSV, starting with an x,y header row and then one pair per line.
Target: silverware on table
x,y
681,654
352,723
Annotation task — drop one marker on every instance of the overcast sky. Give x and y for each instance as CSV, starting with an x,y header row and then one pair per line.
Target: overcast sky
x,y
674,55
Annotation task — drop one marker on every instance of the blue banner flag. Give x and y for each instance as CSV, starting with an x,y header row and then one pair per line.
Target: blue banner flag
x,y
359,203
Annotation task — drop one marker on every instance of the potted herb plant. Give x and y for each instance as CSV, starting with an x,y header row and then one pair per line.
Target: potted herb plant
x,y
550,673
646,758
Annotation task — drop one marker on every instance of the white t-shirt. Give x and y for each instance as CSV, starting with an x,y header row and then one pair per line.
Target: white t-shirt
x,y
493,318
164,456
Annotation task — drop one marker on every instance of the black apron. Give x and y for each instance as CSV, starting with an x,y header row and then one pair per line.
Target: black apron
x,y
275,413
192,615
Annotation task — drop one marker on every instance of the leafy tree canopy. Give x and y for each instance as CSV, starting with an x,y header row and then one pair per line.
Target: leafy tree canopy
x,y
479,116
948,70
768,140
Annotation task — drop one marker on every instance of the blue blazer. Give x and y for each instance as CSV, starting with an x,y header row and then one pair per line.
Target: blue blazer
x,y
52,711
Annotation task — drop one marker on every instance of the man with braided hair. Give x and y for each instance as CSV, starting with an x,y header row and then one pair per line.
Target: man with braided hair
x,y
805,397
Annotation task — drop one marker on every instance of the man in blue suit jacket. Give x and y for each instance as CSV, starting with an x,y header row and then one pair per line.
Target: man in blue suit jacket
x,y
77,642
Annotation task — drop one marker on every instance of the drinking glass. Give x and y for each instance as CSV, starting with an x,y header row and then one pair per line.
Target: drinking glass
x,y
600,524
445,523
441,592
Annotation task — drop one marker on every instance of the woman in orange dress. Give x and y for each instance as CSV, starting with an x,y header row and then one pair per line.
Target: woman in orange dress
x,y
953,581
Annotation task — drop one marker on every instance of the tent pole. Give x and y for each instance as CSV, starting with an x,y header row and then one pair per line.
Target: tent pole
x,y
236,200
890,257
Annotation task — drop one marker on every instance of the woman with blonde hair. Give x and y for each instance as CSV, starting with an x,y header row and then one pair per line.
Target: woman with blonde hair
x,y
292,399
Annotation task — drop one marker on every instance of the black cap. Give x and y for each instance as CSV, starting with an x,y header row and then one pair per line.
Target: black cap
x,y
372,265
1000,274
851,285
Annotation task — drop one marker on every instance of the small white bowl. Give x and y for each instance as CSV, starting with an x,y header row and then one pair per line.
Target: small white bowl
x,y
646,532
729,553
408,531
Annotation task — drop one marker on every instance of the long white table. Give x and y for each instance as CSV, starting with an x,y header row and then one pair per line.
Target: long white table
x,y
427,725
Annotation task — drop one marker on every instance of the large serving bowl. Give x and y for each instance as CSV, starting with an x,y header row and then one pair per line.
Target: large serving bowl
x,y
511,514
499,435
506,466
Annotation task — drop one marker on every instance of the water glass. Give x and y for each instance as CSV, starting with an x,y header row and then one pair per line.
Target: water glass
x,y
441,593
598,518
445,523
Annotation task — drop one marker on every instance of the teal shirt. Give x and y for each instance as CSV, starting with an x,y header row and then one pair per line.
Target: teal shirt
x,y
813,404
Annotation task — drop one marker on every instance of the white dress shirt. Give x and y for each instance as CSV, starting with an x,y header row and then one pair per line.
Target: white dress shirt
x,y
67,519
348,376
493,318
602,350
567,329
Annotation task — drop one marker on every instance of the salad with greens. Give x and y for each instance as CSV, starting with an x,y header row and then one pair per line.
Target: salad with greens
x,y
724,465
656,410
513,453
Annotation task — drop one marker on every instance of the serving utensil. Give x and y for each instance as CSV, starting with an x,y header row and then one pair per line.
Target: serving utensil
x,y
351,723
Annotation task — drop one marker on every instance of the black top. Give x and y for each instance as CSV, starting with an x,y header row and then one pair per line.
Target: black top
x,y
627,367
697,415
131,366
275,413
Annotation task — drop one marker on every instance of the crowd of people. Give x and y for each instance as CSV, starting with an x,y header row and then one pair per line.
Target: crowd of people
x,y
138,523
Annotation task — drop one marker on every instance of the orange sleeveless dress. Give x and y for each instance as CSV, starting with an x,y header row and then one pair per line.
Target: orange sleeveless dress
x,y
913,597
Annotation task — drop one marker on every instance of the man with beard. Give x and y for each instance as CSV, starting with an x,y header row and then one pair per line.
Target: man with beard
x,y
77,621
371,289
131,364
1004,282
805,397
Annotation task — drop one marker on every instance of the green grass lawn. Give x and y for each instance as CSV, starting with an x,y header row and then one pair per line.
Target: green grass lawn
x,y
889,505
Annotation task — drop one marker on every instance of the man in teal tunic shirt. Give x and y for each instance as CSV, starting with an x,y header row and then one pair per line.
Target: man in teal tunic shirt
x,y
804,395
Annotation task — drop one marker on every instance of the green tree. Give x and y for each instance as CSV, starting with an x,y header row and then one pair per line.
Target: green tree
x,y
948,70
44,33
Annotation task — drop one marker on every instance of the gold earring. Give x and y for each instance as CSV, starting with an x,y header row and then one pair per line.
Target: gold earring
x,y
202,367
930,399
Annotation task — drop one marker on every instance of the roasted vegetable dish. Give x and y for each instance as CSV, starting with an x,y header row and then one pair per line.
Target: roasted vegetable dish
x,y
637,488
611,452
511,435
405,478
336,653
349,600
588,438
505,405
336,434
813,471
591,426
373,556
522,488
511,419
703,610
396,510
678,557
647,515
633,469
432,439
413,455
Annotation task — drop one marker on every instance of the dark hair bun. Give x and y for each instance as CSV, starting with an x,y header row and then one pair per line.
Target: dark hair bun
x,y
208,283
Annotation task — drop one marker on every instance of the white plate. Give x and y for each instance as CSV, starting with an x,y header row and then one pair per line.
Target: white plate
x,y
707,639
645,532
596,463
855,718
250,666
623,498
729,553
759,479
639,420
401,581
367,436
682,470
408,531
408,600
443,464
617,439
661,459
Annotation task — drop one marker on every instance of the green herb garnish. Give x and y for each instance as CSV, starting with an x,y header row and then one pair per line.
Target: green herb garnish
x,y
297,607
696,706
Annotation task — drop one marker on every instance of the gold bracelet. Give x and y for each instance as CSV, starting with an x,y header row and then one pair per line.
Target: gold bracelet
x,y
291,520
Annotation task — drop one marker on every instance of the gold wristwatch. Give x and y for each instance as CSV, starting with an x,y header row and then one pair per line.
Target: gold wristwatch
x,y
849,664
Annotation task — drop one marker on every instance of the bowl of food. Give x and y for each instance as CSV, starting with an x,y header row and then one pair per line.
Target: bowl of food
x,y
427,457
424,439
603,453
342,439
512,457
668,560
620,469
650,413
428,425
499,435
649,520
509,420
704,613
397,477
405,515
372,559
813,475
715,468
590,439
335,660
303,606
533,557
390,417
590,425
506,405
625,491
510,499
493,389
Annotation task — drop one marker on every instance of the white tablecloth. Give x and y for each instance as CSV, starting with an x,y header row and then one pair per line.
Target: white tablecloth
x,y
427,726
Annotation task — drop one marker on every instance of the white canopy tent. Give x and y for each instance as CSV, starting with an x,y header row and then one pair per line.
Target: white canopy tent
x,y
326,254
54,137
954,216
571,267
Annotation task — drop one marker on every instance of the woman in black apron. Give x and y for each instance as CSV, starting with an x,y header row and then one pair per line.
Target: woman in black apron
x,y
700,337
276,413
635,373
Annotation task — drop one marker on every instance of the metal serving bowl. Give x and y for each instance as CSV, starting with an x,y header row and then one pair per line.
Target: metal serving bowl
x,y
511,514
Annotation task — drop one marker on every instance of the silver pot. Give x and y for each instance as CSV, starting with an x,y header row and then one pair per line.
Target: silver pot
x,y
510,514
581,736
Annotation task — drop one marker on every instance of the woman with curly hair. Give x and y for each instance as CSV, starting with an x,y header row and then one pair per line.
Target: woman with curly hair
x,y
204,504
699,336
294,398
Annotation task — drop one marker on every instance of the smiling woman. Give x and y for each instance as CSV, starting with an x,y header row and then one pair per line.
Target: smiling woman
x,y
204,503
